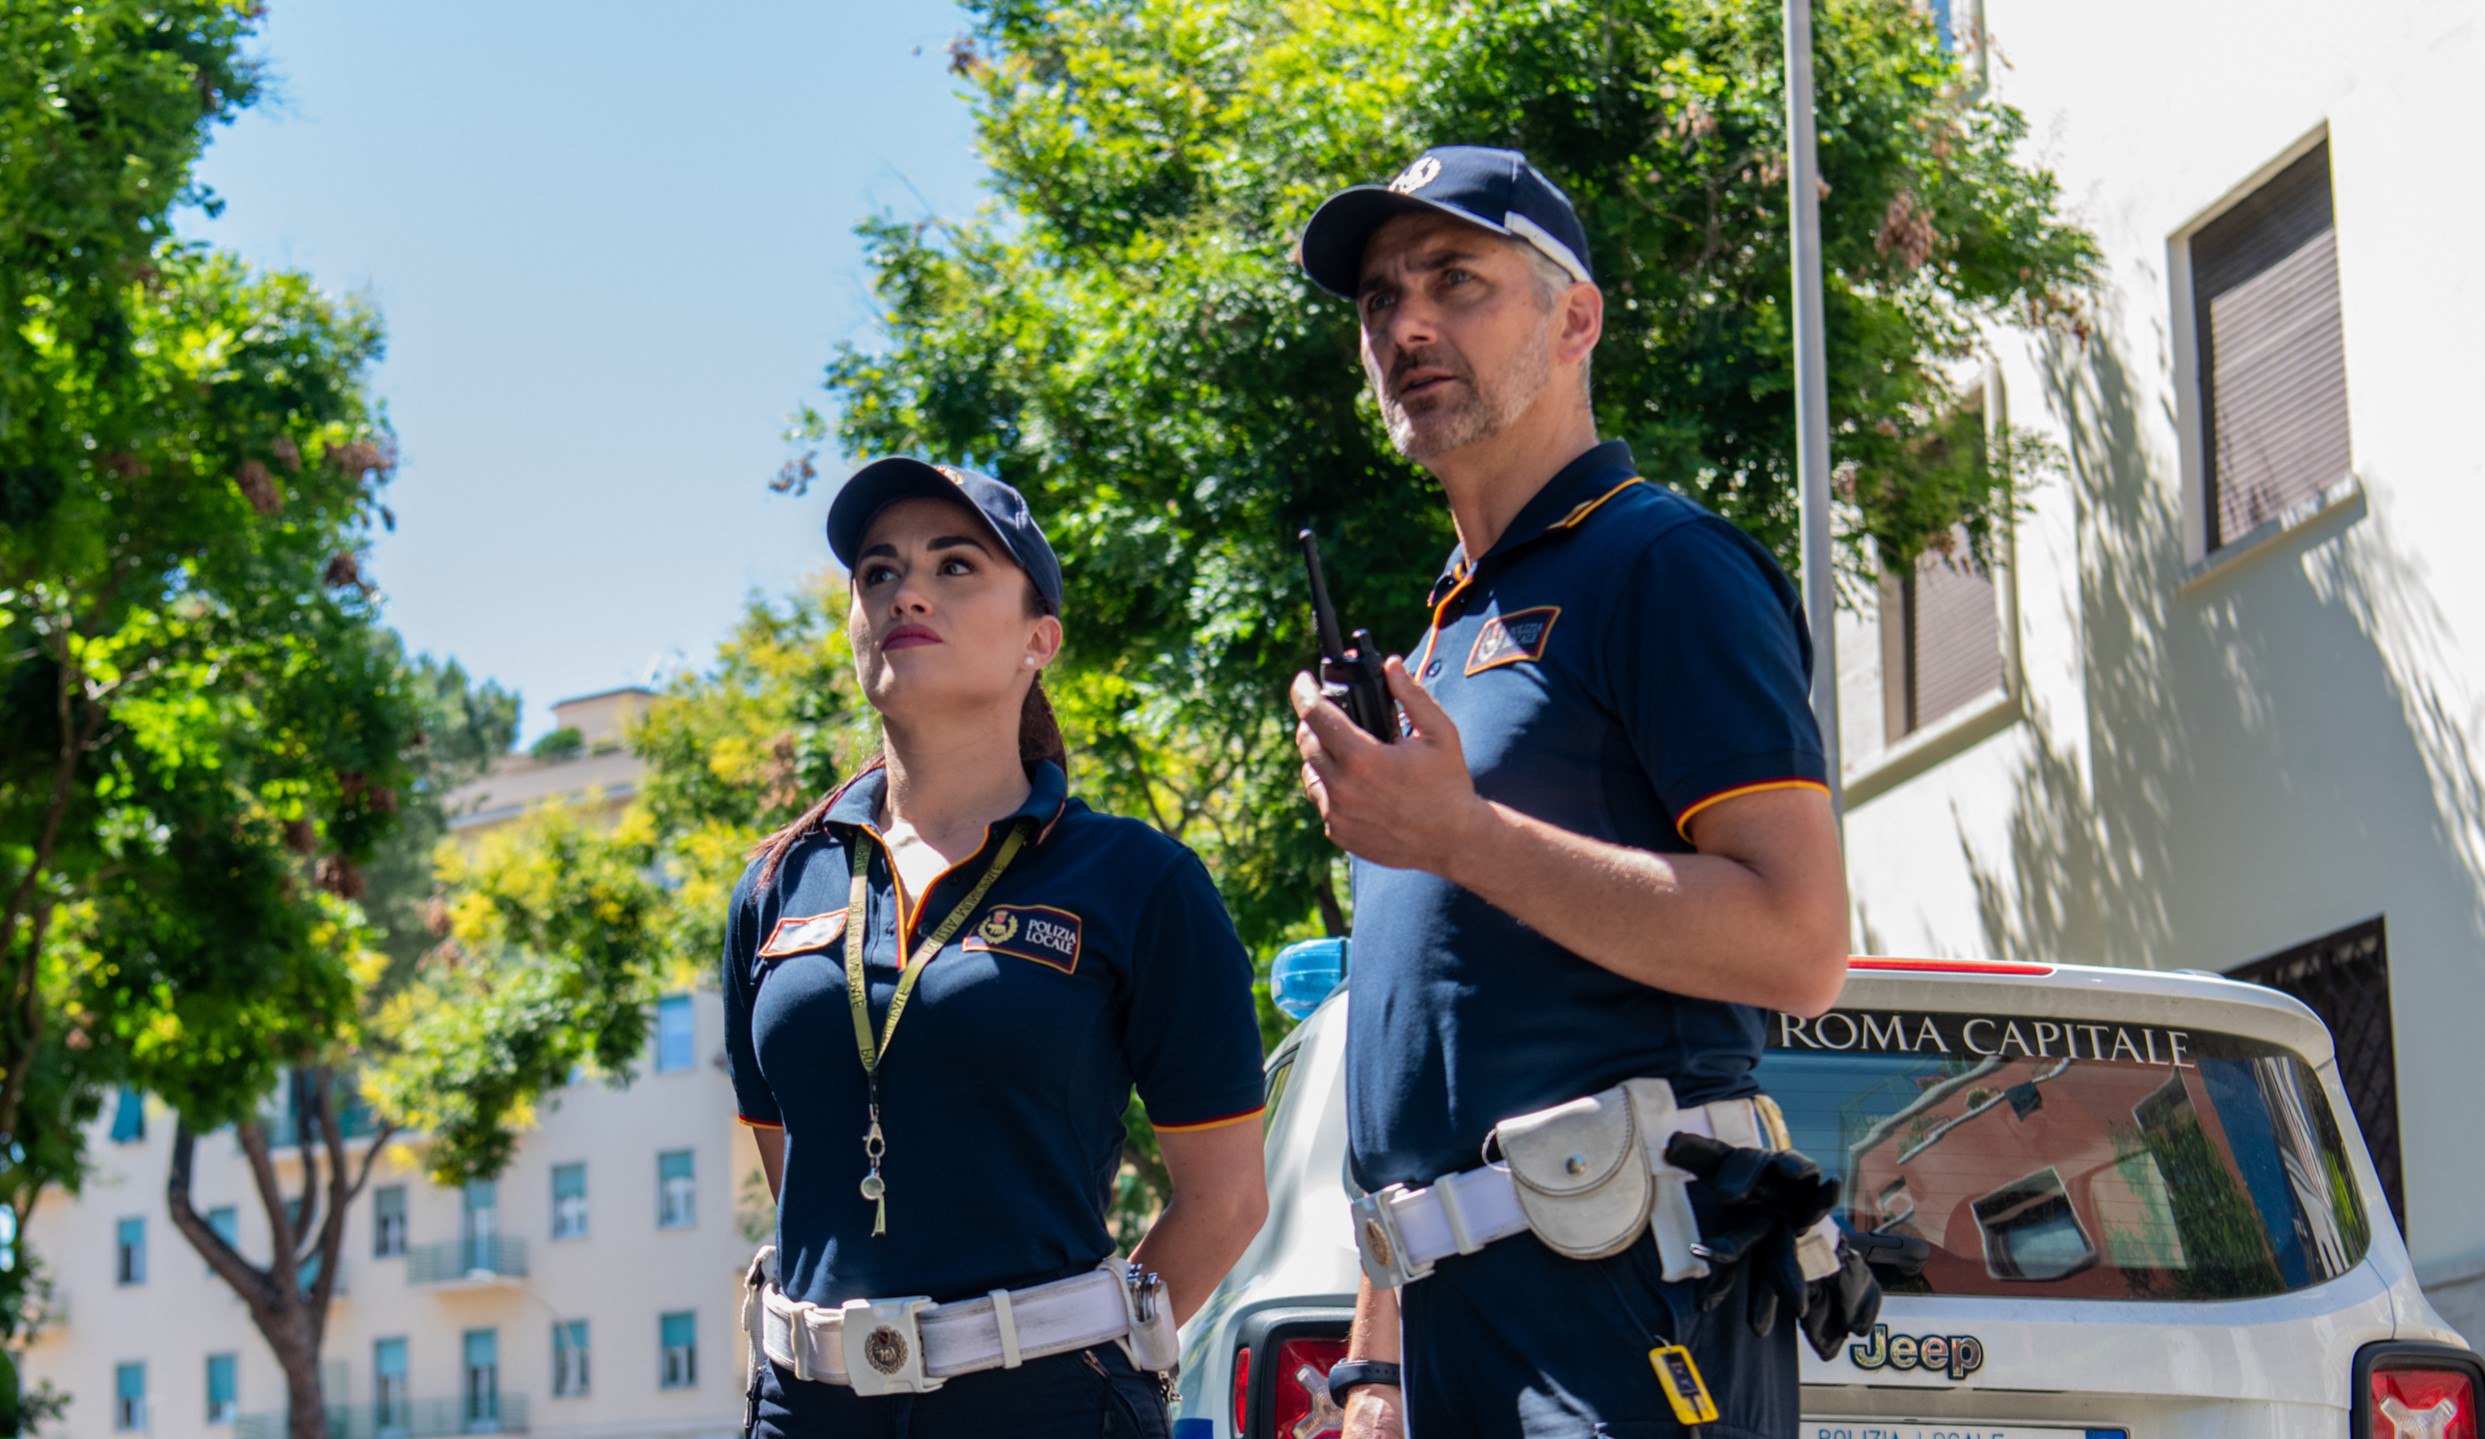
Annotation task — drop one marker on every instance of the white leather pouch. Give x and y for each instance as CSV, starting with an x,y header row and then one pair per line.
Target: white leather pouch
x,y
1582,1179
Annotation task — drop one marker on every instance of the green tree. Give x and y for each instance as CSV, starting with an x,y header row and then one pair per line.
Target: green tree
x,y
321,1113
206,729
1122,333
219,775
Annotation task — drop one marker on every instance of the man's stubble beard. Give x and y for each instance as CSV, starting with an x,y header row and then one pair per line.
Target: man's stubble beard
x,y
1483,412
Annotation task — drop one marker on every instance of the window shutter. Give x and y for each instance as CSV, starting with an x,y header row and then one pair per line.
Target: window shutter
x,y
1954,628
2273,361
1941,639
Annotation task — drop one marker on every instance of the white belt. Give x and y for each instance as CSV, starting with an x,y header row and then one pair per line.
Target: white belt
x,y
1401,1231
912,1345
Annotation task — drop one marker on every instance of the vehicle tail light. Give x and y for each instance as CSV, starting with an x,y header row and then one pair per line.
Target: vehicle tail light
x,y
2418,1391
1242,1392
1301,1374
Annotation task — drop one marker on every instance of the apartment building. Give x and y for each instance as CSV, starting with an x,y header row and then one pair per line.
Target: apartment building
x,y
2218,705
590,1290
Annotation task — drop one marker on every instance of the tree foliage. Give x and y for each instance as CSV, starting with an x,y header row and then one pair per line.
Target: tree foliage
x,y
220,774
1122,333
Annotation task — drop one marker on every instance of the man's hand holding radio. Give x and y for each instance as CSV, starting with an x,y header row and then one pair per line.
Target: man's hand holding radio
x,y
1409,805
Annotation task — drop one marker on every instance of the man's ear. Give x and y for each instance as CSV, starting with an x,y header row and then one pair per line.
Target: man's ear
x,y
1583,323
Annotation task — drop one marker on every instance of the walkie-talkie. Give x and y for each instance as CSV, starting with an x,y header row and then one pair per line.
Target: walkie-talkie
x,y
1351,679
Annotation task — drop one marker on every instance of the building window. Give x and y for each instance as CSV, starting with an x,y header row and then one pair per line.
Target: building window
x,y
569,1201
2345,979
2272,351
481,1394
129,1396
569,1359
222,1401
388,1221
679,1335
1941,638
309,1268
392,1408
673,1033
677,1190
129,1117
224,1223
129,1264
2031,1232
480,1227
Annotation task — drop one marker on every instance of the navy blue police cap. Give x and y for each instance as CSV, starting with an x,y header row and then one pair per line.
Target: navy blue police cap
x,y
1494,190
1003,510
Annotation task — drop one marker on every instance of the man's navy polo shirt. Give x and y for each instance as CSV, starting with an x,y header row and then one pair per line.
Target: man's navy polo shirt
x,y
1619,660
1101,958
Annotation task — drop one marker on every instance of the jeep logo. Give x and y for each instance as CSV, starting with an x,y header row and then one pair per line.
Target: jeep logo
x,y
1957,1355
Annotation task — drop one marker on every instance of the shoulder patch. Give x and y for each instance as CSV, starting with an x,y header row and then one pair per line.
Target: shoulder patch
x,y
1511,638
795,935
1029,931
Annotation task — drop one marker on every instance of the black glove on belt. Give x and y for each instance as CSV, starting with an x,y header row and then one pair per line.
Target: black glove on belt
x,y
1758,1203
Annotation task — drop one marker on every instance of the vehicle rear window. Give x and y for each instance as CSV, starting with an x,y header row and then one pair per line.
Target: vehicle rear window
x,y
2049,1158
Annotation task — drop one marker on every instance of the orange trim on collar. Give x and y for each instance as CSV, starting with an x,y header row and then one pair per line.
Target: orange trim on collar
x,y
1253,1112
1588,508
1432,635
1682,825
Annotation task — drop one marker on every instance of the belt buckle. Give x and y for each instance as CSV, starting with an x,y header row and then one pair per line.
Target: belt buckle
x,y
1380,1243
882,1340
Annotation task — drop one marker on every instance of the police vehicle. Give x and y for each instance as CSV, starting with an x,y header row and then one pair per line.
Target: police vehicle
x,y
2104,1204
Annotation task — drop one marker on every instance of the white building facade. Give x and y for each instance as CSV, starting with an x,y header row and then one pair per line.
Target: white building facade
x,y
2220,706
591,1290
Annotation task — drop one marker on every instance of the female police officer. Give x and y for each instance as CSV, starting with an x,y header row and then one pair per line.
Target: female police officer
x,y
940,985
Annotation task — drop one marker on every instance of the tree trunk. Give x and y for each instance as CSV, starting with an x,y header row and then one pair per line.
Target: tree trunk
x,y
297,1351
27,904
1332,915
290,1315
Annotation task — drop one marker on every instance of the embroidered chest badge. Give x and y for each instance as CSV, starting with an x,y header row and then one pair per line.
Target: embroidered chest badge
x,y
797,934
1512,638
1038,932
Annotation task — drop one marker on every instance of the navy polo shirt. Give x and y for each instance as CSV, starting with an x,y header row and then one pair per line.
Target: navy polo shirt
x,y
1620,659
1102,958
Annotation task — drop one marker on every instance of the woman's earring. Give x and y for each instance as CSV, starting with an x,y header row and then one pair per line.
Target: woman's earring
x,y
1030,659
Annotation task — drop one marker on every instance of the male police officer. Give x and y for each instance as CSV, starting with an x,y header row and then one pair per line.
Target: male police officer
x,y
1602,848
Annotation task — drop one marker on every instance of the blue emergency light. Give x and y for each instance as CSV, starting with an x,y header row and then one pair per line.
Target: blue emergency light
x,y
1303,974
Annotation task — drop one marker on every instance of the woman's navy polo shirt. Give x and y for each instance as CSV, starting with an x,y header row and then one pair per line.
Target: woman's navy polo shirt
x,y
1101,958
1620,659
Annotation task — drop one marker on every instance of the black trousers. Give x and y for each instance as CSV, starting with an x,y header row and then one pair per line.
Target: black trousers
x,y
1089,1394
1517,1342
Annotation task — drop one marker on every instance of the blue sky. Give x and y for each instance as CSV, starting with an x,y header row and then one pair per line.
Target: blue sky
x,y
613,246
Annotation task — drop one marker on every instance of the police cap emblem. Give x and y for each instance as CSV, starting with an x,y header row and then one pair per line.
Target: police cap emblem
x,y
886,1350
1416,176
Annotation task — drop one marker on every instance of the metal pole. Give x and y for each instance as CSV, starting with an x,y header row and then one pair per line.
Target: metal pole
x,y
1820,593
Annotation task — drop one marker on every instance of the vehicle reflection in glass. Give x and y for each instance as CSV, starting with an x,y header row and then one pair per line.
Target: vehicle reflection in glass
x,y
2074,1159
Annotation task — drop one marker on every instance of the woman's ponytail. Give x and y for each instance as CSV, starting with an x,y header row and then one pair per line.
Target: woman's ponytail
x,y
1039,734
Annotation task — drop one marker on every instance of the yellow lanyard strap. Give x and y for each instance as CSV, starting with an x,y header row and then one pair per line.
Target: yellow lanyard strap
x,y
856,912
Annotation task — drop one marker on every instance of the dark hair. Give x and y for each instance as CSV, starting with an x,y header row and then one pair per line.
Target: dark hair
x,y
1039,741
